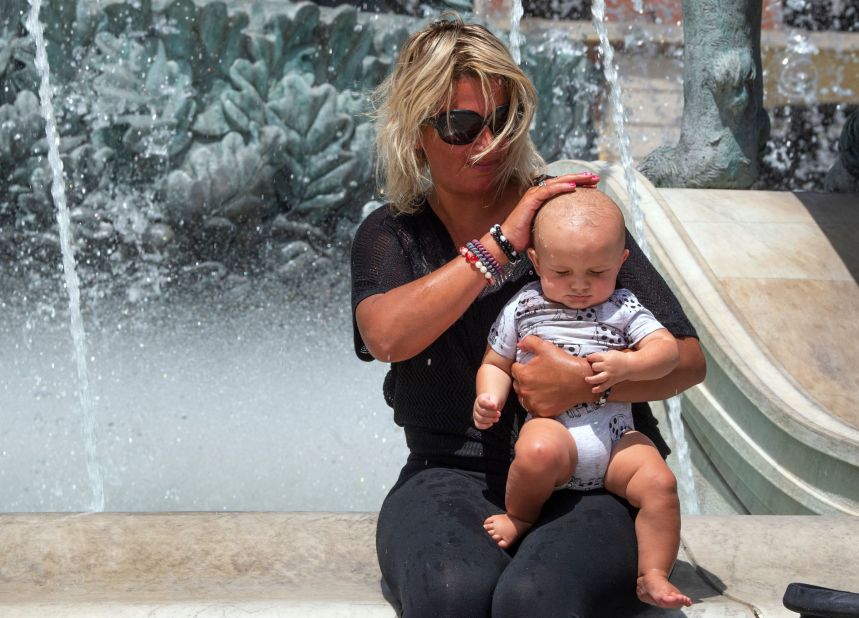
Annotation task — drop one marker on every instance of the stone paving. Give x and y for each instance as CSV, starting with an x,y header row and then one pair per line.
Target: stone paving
x,y
122,565
788,264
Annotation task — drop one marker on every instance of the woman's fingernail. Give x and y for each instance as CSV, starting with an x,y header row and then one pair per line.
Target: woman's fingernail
x,y
587,174
595,177
572,184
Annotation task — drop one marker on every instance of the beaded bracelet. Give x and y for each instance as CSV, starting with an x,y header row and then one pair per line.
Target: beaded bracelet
x,y
477,248
503,243
603,398
486,262
472,259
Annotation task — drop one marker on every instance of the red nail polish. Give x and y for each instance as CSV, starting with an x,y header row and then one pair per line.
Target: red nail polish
x,y
572,184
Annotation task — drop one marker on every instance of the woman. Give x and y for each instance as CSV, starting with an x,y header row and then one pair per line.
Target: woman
x,y
454,150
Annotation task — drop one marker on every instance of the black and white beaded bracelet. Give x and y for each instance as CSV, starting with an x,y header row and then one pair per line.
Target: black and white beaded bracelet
x,y
503,243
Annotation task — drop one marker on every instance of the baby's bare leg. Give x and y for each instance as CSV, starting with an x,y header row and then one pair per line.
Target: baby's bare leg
x,y
637,472
545,458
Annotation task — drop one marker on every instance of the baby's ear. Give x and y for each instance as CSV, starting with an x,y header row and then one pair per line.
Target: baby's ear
x,y
625,255
532,255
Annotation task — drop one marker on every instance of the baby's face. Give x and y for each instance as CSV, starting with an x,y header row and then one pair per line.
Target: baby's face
x,y
577,267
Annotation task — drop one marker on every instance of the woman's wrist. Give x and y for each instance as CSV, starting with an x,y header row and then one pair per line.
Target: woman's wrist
x,y
690,371
500,241
493,248
602,399
476,256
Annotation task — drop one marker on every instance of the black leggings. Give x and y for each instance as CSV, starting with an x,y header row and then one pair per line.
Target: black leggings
x,y
579,560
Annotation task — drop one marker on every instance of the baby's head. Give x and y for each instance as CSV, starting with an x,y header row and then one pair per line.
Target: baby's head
x,y
579,247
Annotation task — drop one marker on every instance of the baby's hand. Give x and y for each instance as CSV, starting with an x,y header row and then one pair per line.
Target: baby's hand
x,y
609,368
486,412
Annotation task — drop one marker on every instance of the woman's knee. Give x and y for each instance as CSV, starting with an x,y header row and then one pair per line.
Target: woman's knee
x,y
580,561
513,595
523,593
449,588
526,593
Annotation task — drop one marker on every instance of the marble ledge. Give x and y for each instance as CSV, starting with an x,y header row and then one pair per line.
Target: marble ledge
x,y
323,564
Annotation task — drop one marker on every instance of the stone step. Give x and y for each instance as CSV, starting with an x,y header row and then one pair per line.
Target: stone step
x,y
127,565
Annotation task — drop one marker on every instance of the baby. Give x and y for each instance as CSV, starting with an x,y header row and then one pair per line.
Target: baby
x,y
578,250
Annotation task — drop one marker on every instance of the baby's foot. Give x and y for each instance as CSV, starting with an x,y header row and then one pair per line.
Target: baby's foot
x,y
505,529
654,588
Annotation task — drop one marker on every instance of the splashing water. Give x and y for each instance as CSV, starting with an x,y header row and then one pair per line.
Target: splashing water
x,y
617,114
686,482
688,494
58,192
516,38
799,77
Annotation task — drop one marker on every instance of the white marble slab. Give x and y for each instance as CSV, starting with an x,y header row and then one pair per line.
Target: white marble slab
x,y
323,564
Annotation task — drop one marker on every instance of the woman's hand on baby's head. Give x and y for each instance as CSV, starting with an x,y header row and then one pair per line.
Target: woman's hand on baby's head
x,y
517,225
486,412
587,180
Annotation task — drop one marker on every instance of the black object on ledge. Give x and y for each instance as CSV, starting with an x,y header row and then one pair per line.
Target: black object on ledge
x,y
817,602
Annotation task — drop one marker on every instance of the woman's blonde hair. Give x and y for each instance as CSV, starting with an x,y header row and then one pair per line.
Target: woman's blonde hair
x,y
422,84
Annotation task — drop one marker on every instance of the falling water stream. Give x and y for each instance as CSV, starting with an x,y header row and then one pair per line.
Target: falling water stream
x,y
72,283
516,39
688,493
686,480
617,115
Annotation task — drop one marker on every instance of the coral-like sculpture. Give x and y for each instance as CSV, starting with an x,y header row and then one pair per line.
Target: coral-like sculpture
x,y
143,96
567,83
17,72
202,134
21,129
318,170
230,179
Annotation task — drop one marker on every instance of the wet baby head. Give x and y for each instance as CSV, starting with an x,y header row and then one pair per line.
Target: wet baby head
x,y
579,247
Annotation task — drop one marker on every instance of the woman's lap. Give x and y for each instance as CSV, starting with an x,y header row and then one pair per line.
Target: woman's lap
x,y
580,559
434,554
437,560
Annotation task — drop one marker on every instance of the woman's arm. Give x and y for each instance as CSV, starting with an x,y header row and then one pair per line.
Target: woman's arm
x,y
554,380
691,370
652,358
400,323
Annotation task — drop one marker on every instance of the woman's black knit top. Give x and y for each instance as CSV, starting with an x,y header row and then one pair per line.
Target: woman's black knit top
x,y
432,393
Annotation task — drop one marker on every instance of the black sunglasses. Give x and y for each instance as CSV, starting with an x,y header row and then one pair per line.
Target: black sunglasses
x,y
462,126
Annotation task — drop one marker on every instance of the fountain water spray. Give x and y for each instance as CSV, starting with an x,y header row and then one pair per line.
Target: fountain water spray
x,y
617,114
686,481
58,192
516,38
